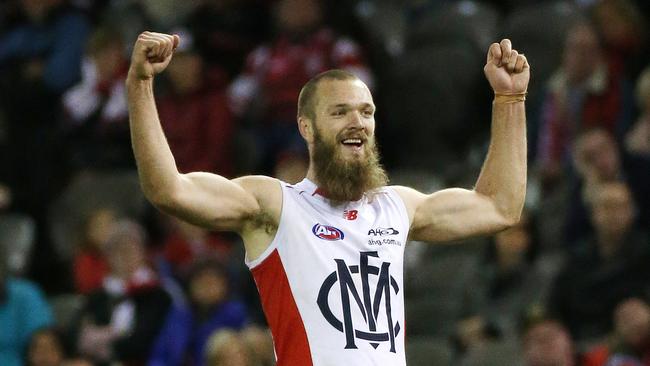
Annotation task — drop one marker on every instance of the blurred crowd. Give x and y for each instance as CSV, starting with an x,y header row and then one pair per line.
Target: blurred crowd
x,y
90,274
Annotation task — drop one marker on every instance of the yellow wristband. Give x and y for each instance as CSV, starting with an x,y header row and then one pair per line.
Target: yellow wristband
x,y
509,98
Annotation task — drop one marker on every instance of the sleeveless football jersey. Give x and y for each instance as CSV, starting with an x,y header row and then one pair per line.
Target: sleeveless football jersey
x,y
331,280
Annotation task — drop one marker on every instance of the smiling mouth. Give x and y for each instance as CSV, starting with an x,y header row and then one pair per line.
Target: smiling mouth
x,y
352,142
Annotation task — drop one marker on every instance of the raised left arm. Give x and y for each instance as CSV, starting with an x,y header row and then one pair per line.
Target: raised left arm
x,y
497,200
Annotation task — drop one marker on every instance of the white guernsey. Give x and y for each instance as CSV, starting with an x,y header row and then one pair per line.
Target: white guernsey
x,y
331,280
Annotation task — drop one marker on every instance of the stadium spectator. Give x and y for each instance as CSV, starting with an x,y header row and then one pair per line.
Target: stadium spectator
x,y
608,267
583,93
630,343
187,243
184,336
23,310
598,160
624,32
119,322
547,343
637,141
90,264
266,92
225,31
260,343
40,58
46,348
226,347
95,108
195,115
5,197
507,281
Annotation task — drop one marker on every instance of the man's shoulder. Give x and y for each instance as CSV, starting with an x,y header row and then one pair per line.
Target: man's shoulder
x,y
266,190
257,180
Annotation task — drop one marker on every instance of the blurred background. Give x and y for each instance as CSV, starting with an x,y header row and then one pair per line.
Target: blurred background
x,y
91,274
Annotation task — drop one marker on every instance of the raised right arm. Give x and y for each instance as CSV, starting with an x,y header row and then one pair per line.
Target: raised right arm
x,y
205,199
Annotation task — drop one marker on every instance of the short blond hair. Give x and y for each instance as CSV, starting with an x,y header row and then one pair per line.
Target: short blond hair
x,y
218,342
307,98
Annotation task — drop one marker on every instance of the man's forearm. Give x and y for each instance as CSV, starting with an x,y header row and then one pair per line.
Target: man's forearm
x,y
503,176
156,166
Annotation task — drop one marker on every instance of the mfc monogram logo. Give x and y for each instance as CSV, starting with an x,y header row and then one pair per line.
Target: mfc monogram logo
x,y
368,302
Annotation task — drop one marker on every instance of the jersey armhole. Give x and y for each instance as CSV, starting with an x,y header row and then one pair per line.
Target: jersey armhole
x,y
402,207
278,234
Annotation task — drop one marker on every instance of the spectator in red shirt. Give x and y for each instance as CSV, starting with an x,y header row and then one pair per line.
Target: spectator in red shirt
x,y
120,321
584,93
195,114
625,33
630,343
90,265
265,93
187,243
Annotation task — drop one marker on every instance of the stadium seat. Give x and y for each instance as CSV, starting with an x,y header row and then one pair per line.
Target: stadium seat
x,y
463,21
495,354
428,351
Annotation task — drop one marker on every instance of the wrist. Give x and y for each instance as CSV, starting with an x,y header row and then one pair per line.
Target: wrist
x,y
509,98
133,78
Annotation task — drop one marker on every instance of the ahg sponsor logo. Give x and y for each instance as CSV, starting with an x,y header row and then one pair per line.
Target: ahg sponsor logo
x,y
381,231
327,232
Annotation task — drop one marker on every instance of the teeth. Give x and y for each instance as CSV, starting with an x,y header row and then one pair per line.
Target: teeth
x,y
352,141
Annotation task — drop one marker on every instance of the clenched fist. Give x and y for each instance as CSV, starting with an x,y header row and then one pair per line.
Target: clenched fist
x,y
151,54
506,69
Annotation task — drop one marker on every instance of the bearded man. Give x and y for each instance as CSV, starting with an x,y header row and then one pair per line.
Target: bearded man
x,y
327,253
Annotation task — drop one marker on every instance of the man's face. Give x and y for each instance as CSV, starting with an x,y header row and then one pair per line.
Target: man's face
x,y
45,350
612,211
208,288
126,256
36,9
343,149
582,53
185,72
345,117
547,344
512,245
598,156
632,322
298,16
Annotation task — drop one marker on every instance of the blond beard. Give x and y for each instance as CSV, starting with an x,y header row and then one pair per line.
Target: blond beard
x,y
342,180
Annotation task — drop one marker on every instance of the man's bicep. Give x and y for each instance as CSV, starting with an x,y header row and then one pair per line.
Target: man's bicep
x,y
453,214
215,202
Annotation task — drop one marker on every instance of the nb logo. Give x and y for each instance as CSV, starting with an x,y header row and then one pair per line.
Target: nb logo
x,y
368,302
350,214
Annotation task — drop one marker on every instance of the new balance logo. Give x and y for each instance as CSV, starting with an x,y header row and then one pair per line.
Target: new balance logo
x,y
350,214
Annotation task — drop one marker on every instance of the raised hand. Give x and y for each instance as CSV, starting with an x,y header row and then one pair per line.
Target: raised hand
x,y
506,69
151,54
